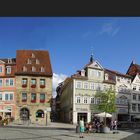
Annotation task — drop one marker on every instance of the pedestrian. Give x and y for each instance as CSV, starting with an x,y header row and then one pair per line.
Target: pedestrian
x,y
112,125
115,127
82,128
87,127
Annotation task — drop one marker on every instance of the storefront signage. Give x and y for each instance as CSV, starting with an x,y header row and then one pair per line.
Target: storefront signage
x,y
81,109
122,110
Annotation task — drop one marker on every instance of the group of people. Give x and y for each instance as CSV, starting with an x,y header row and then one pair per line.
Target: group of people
x,y
96,125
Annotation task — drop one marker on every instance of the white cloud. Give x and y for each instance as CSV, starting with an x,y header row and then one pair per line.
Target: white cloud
x,y
110,29
57,78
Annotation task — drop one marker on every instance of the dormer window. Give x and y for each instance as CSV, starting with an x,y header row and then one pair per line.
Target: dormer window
x,y
42,69
29,61
37,61
33,56
106,76
8,70
33,69
24,69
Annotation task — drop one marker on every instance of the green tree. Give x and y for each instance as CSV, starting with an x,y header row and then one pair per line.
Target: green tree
x,y
107,101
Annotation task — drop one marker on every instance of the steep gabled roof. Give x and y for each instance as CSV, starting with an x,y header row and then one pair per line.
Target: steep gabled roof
x,y
22,57
118,73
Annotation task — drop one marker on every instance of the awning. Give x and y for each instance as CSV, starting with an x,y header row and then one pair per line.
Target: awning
x,y
4,110
103,114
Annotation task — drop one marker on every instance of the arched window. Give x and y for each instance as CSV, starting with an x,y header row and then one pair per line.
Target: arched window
x,y
40,114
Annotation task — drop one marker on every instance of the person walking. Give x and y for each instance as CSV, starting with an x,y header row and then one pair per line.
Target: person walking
x,y
82,128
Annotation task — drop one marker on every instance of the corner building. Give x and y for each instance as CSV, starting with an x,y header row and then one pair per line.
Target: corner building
x,y
33,86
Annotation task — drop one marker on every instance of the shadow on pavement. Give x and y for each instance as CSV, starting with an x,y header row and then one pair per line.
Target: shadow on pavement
x,y
135,136
132,137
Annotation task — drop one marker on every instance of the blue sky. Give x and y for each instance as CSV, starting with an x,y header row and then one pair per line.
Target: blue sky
x,y
115,40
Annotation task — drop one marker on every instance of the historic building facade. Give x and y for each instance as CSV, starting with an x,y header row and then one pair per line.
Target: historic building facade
x,y
76,94
134,103
33,86
7,87
26,86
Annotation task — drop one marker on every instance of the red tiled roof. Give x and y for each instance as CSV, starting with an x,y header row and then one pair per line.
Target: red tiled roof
x,y
22,57
118,73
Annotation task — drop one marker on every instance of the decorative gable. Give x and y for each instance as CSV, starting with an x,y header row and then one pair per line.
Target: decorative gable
x,y
96,65
136,79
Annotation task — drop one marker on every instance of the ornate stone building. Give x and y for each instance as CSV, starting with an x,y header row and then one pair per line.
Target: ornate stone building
x,y
33,86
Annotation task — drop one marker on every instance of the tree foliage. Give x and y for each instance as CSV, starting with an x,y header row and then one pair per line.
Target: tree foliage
x,y
107,101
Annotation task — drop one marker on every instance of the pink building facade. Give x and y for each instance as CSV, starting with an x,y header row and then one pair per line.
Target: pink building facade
x,y
7,87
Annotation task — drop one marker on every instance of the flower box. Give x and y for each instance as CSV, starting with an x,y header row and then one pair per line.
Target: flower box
x,y
24,86
33,86
42,101
33,101
42,86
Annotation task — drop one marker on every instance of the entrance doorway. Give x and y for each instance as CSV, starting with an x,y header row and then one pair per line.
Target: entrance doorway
x,y
24,114
80,116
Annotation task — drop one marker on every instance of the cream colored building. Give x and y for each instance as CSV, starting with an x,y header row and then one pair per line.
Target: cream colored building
x,y
77,93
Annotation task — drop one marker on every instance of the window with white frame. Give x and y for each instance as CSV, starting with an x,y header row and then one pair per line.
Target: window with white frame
x,y
98,100
24,68
29,61
134,87
139,97
42,82
42,69
9,82
33,81
8,70
1,69
24,81
85,100
106,76
138,107
1,81
33,55
8,96
78,99
92,100
133,107
118,79
78,84
92,86
37,61
0,96
92,73
134,97
85,85
33,69
98,74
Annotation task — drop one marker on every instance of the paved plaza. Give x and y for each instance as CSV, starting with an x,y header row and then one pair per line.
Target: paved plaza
x,y
57,131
